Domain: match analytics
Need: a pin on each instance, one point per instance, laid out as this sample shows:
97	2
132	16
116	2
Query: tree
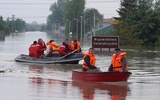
56	18
19	25
74	10
89	17
140	17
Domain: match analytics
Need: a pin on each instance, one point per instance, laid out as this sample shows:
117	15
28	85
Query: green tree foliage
12	25
74	10
16	25
89	17
74	15
56	18
19	25
4	27
139	22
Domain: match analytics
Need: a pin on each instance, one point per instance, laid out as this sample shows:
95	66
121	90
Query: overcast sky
38	10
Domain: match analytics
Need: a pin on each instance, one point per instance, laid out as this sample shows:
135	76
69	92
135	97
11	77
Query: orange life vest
92	61
77	47
55	47
117	63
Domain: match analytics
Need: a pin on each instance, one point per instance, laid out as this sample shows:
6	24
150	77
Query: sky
38	10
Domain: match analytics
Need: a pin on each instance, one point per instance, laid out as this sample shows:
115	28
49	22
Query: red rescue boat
100	76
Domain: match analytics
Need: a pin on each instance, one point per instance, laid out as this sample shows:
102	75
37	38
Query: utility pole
68	29
12	22
84	28
94	24
77	29
81	29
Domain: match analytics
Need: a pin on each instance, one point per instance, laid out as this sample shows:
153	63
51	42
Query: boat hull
100	76
72	59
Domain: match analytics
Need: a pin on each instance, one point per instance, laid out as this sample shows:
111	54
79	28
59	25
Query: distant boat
100	76
69	59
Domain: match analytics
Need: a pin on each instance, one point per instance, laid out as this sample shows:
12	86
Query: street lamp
12	21
68	29
68	26
84	23
81	30
76	27
94	24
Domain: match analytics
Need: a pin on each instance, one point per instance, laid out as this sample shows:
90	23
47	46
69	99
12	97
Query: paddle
68	54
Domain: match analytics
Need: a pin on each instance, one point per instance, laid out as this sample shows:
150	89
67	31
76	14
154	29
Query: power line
110	1
31	17
25	3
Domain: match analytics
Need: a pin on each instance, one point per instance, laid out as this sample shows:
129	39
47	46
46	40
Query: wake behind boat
69	59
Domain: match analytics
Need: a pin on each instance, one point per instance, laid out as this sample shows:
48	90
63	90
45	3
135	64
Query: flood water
28	81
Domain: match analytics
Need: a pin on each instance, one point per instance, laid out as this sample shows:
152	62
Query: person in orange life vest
52	48
41	48
76	45
32	49
118	61
89	62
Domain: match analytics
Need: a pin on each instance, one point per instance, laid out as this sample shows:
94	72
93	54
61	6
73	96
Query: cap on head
63	43
75	40
34	42
117	49
51	41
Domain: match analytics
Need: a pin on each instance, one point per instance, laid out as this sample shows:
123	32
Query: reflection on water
92	90
47	88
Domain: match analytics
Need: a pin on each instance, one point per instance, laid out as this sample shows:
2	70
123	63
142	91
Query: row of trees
73	15
139	23
12	25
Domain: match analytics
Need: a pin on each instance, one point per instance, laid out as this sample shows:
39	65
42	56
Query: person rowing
90	62
118	62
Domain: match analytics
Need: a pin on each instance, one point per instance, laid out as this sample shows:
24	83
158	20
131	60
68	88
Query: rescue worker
41	48
118	61
52	48
76	45
90	62
33	49
65	48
